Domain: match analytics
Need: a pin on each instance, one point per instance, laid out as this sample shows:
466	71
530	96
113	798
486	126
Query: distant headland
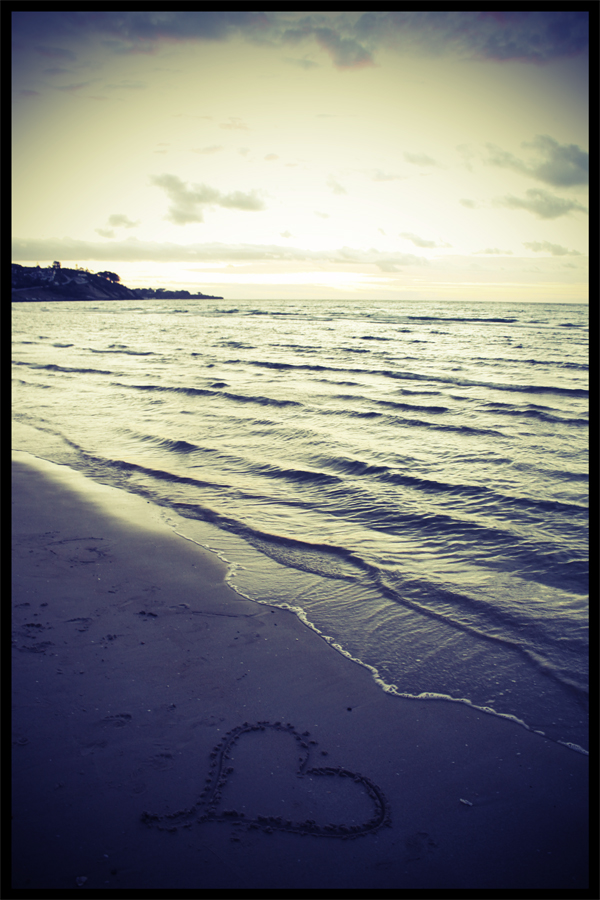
55	283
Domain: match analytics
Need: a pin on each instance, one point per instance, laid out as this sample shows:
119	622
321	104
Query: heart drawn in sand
206	808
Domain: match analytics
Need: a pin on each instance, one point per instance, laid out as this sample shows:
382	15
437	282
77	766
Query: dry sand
133	661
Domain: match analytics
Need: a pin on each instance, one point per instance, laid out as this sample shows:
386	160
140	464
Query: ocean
410	478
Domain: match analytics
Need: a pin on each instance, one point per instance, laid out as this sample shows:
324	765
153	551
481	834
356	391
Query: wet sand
170	734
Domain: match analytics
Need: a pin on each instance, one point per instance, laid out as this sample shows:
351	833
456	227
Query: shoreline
334	642
392	688
134	661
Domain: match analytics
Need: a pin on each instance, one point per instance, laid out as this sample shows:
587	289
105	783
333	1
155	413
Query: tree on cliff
112	276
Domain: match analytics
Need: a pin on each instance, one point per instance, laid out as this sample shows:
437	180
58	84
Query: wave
373	337
127	352
264	401
469	612
43	387
159	474
419	376
402	376
322	474
541	562
390	404
420	393
206	392
339	562
267	364
356	468
467	382
413	423
297	476
174	446
548	363
528	412
393	404
52	367
491	320
555	474
270	312
561	364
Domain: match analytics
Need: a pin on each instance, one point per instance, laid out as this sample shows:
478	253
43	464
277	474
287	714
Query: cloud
528	36
239	200
55	52
118	220
418	241
468	154
214	148
470	204
534	36
563	165
493	251
547	247
350	38
541	204
123	48
346	53
187	203
140	30
302	63
234	123
133	250
126	86
388	262
419	159
384	176
271	156
70	88
335	186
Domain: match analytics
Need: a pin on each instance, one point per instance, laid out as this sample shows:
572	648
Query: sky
297	155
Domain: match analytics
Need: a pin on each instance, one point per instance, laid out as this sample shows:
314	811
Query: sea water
410	478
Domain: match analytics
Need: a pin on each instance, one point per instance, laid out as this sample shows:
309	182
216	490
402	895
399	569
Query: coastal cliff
30	283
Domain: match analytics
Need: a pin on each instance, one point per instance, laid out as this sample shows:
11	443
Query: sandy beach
170	734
